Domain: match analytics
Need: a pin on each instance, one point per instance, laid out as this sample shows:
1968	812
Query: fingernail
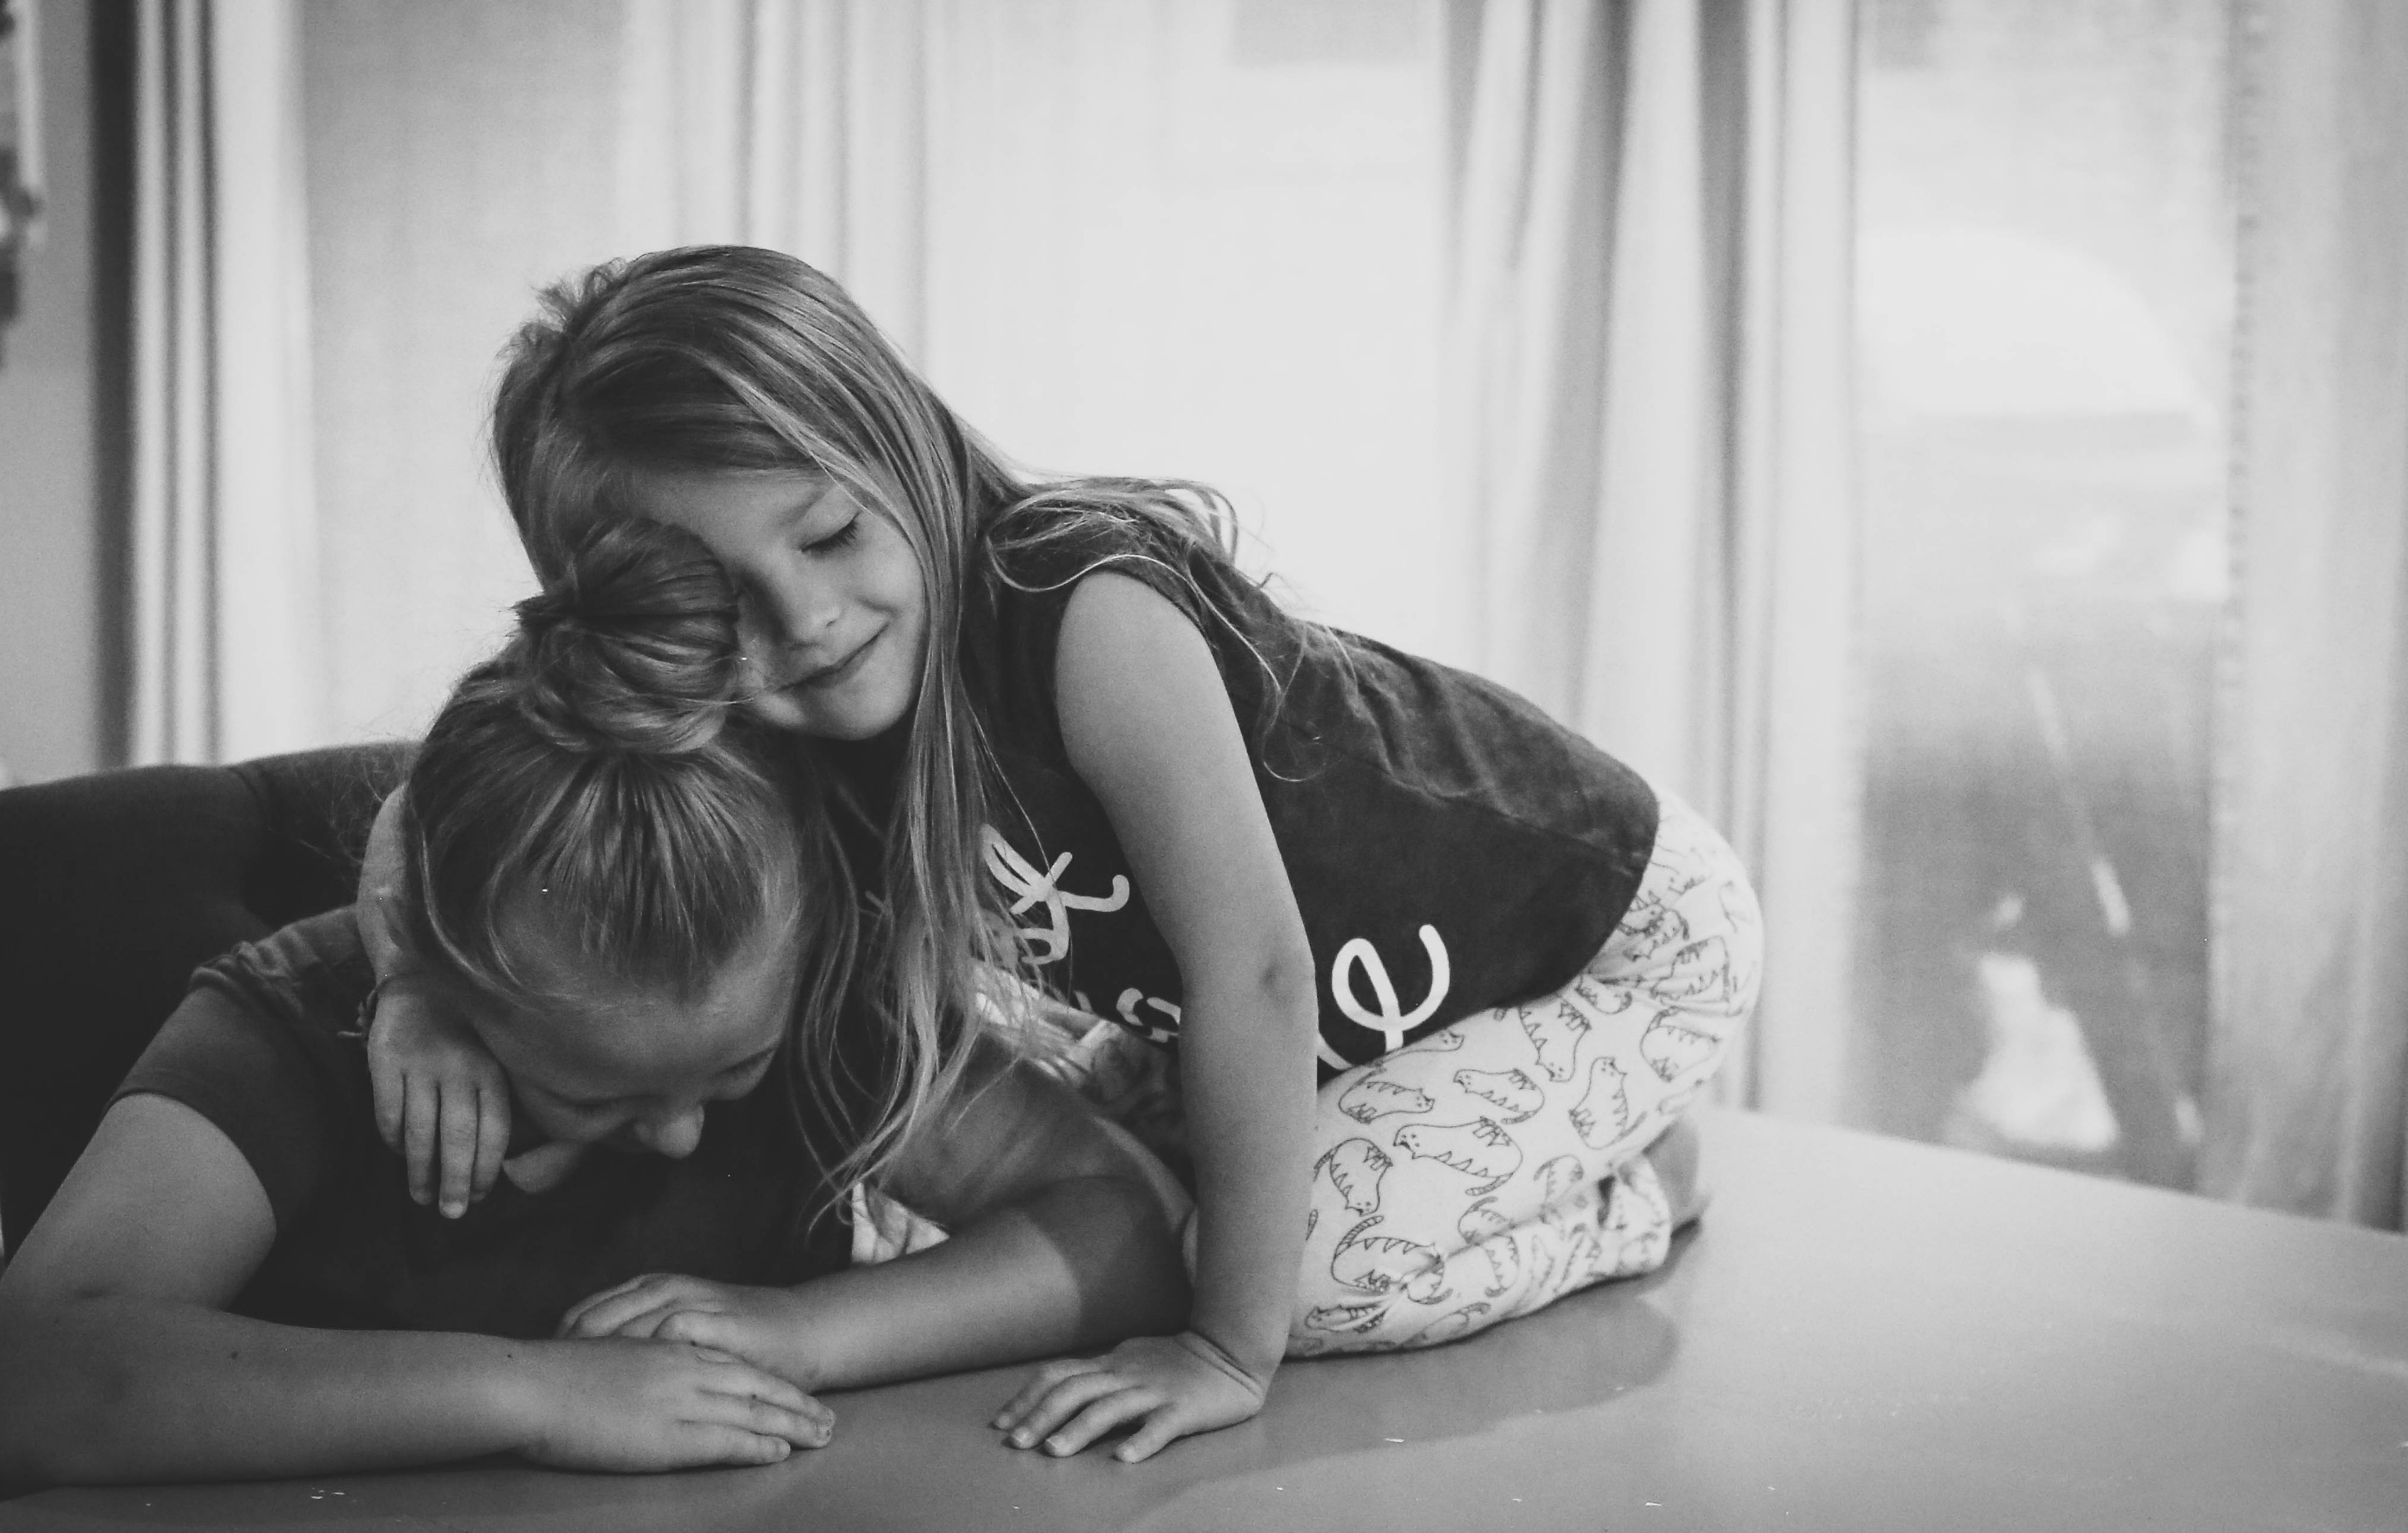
454	1211
1056	1445
1020	1439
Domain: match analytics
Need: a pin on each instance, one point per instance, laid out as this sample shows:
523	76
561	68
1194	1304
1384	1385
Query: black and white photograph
1197	764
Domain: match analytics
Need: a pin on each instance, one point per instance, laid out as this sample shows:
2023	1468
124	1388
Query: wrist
1250	1350
521	1394
791	1354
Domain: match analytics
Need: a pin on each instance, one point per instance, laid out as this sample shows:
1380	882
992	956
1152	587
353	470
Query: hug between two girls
794	960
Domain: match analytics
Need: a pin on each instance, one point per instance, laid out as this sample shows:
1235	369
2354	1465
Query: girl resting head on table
235	1282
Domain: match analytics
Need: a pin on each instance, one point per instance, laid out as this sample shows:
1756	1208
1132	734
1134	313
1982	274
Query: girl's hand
633	1407
764	1326
1172	1385
439	1097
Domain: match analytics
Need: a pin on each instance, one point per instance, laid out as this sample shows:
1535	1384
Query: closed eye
733	1073
743	1068
843	537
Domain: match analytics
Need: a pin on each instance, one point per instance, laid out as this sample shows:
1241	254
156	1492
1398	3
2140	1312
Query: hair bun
634	648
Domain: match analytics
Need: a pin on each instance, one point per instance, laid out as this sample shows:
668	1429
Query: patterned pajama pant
1491	1167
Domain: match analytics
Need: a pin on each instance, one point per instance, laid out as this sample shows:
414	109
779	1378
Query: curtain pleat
1792	800
2307	1101
1649	341
224	552
796	124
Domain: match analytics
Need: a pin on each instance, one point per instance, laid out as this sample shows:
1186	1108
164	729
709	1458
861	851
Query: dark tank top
1452	849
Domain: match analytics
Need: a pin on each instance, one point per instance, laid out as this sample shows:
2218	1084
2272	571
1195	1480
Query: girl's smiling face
833	612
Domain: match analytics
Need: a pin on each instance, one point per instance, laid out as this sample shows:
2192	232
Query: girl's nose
672	1131
788	610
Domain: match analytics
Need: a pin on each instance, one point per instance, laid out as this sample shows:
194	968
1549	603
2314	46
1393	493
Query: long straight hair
730	359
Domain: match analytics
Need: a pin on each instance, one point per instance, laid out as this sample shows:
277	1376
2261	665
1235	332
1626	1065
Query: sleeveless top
1452	849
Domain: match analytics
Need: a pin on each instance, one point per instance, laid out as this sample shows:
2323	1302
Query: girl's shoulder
1040	549
1034	555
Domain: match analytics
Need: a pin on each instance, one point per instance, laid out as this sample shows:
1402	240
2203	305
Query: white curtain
2307	1105
462	154
224	545
1649	337
797	124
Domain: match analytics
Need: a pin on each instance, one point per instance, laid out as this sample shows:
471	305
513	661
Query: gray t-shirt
266	1047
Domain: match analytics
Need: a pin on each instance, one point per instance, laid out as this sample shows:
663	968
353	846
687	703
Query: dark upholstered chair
114	887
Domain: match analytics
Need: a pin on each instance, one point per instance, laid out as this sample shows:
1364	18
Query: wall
55	589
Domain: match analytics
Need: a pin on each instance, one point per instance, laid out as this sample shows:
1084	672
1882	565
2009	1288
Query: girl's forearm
1079	1265
1246	1073
111	1389
380	894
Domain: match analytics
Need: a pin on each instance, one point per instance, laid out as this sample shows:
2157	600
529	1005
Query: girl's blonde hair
594	785
735	359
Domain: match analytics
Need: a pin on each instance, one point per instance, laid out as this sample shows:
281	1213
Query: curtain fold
2307	1102
1649	337
797	124
224	545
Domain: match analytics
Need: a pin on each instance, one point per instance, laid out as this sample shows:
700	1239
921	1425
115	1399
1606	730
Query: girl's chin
779	711
785	712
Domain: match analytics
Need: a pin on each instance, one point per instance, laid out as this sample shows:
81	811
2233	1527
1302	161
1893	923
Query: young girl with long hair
1430	972
603	866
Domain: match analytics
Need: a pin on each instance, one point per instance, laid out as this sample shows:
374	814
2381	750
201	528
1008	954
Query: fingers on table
598	1296
1039	1384
608	1312
1125	1404
757	1401
1159	1431
703	1327
1077	1409
735	1445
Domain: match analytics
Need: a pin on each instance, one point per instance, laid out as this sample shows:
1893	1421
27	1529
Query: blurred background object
2046	278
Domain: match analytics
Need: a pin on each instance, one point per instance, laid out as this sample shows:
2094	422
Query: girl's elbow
66	1410
52	1432
1143	1287
1288	982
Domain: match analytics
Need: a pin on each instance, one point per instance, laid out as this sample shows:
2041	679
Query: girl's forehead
582	1025
685	496
636	1047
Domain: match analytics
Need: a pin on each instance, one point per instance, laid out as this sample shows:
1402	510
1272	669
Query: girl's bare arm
441	1101
379	891
1064	1235
1148	726
122	1363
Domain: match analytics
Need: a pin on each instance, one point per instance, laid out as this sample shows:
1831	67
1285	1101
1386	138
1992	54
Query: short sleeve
246	1072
